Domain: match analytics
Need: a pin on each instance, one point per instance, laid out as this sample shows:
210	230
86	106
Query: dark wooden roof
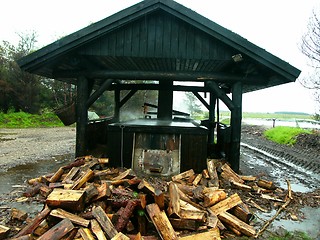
158	40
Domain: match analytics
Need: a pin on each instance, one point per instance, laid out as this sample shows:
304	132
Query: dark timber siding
160	35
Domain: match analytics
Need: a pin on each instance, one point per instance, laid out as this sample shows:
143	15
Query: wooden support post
236	117
117	105
212	107
82	115
165	100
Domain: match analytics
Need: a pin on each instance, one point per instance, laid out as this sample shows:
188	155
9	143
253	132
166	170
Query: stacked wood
87	200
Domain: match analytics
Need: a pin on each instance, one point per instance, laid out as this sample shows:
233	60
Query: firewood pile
89	200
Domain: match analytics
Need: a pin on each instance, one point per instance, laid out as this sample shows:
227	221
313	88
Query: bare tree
310	47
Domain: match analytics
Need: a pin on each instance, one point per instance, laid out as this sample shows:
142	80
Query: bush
284	135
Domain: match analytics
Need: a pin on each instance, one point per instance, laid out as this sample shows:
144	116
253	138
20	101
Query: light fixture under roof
237	58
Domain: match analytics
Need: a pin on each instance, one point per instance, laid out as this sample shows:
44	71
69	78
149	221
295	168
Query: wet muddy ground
45	150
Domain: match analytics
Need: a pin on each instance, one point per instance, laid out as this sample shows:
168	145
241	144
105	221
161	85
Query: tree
192	104
310	47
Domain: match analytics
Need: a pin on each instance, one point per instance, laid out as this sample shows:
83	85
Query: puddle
13	182
310	224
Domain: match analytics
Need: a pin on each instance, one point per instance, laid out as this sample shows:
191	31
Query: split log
25	237
69	178
60	213
91	191
86	234
242	212
254	204
96	229
45	190
159	198
213	233
188	190
174	204
161	222
66	199
34	190
120	236
19	215
85	177
103	160
212	197
241	186
185	198
126	214
56	185
212	221
266	184
71	235
226	204
103	191
188	211
58	231
57	175
129	173
77	163
197	179
42	228
183	175
184	224
248	178
229	174
146	187
28	229
236	223
214	180
4	232
205	173
104	222
265	196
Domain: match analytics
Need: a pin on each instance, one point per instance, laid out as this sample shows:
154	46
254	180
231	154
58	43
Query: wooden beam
127	97
201	99
165	100
212	106
156	75
82	115
235	124
213	86
94	96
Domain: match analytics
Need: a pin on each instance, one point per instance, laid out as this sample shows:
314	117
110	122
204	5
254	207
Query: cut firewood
91	191
254	204
56	177
241	186
60	213
45	190
69	178
129	173
96	229
236	223
19	215
104	222
205	173
34	223
226	204
265	196
213	233
212	197
103	191
120	236
214	180
4	232
159	198
229	174
66	199
184	224
85	176
248	178
58	231
212	221
188	190
197	179
242	212
161	222
174	204
146	187
188	211
86	234
103	160
126	214
266	184
183	175
42	228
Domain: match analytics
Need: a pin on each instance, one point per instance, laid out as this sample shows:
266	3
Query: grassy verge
284	135
26	120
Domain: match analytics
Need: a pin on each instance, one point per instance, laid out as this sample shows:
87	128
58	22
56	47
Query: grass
284	135
26	120
296	235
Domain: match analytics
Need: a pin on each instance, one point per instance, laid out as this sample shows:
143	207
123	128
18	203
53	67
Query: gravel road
21	146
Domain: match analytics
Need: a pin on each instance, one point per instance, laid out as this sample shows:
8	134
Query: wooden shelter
164	41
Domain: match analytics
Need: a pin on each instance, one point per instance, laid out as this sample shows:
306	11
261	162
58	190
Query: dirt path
21	146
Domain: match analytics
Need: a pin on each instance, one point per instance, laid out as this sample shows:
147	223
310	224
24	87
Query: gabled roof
160	36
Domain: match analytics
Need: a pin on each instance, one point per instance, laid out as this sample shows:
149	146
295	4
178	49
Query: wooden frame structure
164	41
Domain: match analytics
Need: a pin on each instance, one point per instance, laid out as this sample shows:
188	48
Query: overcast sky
275	25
